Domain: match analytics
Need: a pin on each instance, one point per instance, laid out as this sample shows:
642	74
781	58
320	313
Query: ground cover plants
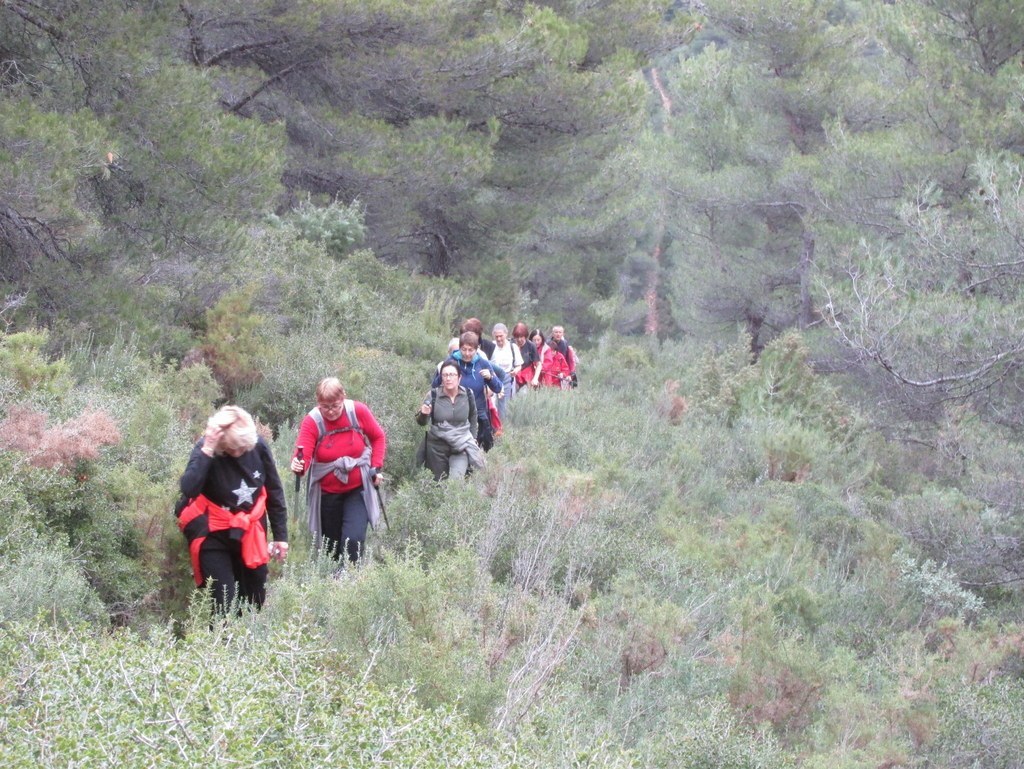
616	588
777	525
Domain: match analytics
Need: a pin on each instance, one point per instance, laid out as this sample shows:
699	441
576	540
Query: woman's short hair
450	363
538	332
474	325
329	390
239	429
468	337
499	327
520	329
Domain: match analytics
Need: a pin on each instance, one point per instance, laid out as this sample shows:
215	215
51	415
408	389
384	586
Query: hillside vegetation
777	525
689	561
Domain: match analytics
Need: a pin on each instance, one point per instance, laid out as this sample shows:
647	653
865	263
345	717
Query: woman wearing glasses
451	445
342	447
479	377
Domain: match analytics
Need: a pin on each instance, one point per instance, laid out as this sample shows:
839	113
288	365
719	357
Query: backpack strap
323	432
353	420
321	428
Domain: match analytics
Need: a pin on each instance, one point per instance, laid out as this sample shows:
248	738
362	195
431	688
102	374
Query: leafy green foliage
702	557
232	343
244	697
22	358
338	227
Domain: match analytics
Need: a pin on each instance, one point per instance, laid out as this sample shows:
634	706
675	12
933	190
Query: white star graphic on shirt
244	493
256	474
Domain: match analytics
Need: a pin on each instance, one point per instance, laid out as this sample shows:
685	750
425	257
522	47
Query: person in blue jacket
478	376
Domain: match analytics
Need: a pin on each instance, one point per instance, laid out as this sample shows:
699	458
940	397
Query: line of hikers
470	392
231	488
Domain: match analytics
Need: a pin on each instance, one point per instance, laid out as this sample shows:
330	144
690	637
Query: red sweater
347	444
553	368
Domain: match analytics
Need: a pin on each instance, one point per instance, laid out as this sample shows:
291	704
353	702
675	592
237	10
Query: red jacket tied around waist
201	516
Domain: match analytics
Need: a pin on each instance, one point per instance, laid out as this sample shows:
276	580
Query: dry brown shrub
673	405
644	653
263	431
62	445
779	695
782	468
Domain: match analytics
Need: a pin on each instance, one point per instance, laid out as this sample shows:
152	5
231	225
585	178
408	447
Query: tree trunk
807	313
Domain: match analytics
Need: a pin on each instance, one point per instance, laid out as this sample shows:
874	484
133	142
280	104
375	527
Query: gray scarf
460	439
341	468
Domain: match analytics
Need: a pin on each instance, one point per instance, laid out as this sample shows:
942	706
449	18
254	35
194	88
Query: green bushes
233	341
715	537
406	623
337	226
241	695
94	465
22	359
40	576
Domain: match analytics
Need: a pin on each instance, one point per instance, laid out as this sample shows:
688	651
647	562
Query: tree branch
967	376
266	84
35	21
29	227
240	48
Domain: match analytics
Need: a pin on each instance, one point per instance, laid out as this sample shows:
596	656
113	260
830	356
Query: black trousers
220	559
343	522
484	433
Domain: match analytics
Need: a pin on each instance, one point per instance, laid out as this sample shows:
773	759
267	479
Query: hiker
507	355
474	325
453	345
529	374
560	343
478	376
230	488
554	368
342	447
450	445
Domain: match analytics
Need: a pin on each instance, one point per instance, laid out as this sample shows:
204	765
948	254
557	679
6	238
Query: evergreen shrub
339	227
40	580
954	528
712	737
978	725
233	341
40	575
239	695
23	359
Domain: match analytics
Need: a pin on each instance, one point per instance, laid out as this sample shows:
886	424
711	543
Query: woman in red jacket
343	458
554	367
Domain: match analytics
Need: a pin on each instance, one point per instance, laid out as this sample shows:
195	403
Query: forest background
777	525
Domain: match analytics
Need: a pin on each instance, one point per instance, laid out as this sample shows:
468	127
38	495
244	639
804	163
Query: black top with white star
235	483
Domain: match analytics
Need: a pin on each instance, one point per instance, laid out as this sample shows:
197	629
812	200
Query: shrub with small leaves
938	588
22	358
240	696
233	345
339	227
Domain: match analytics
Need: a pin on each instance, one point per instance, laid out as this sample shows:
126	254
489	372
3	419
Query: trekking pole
374	491
298	481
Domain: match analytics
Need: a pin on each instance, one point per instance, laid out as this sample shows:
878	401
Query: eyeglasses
449	373
331	406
